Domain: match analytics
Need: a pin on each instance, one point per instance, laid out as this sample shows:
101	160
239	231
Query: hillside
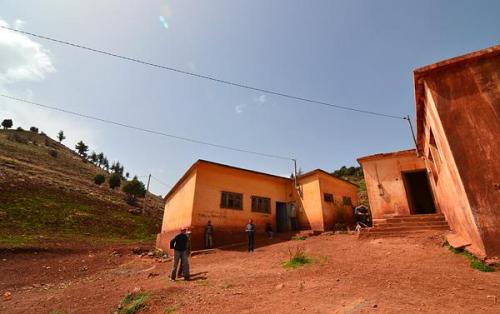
354	175
47	191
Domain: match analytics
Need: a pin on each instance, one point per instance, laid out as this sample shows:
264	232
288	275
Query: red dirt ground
394	275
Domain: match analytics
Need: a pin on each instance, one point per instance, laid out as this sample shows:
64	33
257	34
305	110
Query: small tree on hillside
81	148
100	159
60	136
93	158
99	179
134	189
34	129
105	163
114	180
7	123
117	168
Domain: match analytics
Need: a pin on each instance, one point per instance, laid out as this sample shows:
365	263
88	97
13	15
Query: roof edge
388	155
307	174
471	56
202	161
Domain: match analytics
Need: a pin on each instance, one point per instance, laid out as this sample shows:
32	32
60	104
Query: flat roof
468	57
406	152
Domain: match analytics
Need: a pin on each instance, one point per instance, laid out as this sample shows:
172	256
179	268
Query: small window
261	204
231	200
328	197
346	200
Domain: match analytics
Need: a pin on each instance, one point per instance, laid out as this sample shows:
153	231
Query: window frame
227	197
256	206
346	200
328	197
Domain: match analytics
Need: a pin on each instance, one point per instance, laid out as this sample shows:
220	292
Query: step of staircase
411	223
414	233
405	225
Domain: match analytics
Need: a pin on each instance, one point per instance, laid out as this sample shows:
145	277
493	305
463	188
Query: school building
455	169
228	196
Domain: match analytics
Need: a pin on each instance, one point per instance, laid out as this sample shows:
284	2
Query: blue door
281	217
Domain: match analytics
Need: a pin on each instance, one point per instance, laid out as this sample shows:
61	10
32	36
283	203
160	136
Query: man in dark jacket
209	230
180	244
250	230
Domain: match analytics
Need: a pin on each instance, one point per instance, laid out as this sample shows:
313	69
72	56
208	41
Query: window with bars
328	197
231	200
261	204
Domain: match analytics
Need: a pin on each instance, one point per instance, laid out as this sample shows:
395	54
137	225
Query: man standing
188	253
250	230
209	230
179	244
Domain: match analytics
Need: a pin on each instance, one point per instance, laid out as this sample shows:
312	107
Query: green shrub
134	189
475	263
99	179
297	258
132	304
299	238
114	180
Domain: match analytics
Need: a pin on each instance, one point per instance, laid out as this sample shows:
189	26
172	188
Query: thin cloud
22	59
19	24
239	108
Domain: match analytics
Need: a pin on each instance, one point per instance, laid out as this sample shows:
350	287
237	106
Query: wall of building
337	212
384	182
229	224
178	211
309	201
463	110
317	214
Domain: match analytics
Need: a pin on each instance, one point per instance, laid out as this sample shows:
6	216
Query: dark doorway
419	192
281	217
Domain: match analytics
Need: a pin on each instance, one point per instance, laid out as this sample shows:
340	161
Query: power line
161	182
137	128
207	77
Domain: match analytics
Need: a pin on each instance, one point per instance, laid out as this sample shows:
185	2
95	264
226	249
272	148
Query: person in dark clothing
269	230
250	230
180	244
188	253
209	230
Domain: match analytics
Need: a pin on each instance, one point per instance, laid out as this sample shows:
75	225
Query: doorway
419	192
281	217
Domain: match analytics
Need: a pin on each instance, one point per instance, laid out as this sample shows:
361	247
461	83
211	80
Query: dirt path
348	276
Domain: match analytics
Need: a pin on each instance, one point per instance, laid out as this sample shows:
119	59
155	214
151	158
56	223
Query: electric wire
161	182
138	128
206	77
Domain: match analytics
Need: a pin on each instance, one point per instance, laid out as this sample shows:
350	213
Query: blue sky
351	53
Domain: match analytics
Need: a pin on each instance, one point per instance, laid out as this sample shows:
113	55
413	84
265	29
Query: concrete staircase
401	226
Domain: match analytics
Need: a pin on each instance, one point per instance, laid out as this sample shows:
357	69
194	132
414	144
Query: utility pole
407	118
295	171
146	195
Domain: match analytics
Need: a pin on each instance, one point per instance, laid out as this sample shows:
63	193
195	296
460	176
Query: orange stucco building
229	196
396	184
458	146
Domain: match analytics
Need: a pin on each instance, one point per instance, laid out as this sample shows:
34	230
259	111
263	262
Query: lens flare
163	22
